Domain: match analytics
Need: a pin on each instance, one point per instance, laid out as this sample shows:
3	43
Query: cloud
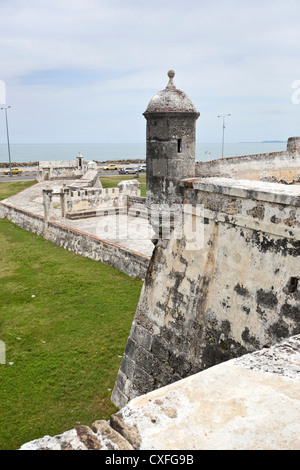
2	92
107	58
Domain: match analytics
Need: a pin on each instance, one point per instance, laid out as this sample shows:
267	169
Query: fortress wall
277	166
236	292
24	219
125	260
131	263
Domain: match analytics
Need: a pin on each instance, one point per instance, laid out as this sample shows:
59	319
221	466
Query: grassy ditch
64	320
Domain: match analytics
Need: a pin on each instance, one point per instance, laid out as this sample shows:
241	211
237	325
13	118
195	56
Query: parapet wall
91	202
281	167
235	292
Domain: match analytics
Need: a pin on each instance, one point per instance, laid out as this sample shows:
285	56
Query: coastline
117	162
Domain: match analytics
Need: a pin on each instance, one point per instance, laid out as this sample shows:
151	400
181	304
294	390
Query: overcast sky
85	70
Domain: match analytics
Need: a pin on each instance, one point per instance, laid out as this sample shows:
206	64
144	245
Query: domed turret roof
171	100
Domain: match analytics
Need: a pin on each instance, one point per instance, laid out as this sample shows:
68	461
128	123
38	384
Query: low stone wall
26	220
87	203
132	263
236	290
280	167
91	202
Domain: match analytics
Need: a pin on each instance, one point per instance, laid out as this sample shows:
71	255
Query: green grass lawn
8	188
112	181
64	320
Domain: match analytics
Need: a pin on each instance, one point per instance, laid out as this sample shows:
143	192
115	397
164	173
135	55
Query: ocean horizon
101	152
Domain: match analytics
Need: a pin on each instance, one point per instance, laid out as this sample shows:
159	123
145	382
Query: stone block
142	336
130	433
113	439
127	367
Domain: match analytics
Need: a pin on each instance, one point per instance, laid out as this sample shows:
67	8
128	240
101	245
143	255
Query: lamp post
8	146
224	116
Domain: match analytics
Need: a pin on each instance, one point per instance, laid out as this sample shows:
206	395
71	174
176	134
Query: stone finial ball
171	74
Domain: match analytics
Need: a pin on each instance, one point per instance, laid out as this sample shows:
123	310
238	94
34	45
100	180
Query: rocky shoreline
15	164
122	162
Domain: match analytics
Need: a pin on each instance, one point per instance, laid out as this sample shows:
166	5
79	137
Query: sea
103	152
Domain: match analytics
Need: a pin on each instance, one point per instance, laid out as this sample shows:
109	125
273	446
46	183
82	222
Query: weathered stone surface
130	433
55	170
249	403
171	127
118	441
278	167
230	296
88	438
80	438
171	100
100	437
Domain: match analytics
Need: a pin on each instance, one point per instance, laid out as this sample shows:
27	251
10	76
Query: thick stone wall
235	292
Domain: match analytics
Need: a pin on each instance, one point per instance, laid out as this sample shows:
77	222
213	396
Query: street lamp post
224	116
8	146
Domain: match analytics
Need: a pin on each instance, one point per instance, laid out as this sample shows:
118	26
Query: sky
85	70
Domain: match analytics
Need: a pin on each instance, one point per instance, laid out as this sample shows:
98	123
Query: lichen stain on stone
257	212
291	311
266	243
278	330
241	290
291	221
266	298
250	339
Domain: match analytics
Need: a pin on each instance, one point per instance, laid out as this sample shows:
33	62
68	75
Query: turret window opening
179	145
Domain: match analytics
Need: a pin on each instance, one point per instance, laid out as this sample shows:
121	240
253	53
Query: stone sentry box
170	147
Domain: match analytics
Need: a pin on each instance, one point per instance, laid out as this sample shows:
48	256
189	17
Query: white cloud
2	92
236	56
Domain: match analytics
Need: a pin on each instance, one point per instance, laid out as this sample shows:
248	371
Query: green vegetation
112	181
64	320
8	188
